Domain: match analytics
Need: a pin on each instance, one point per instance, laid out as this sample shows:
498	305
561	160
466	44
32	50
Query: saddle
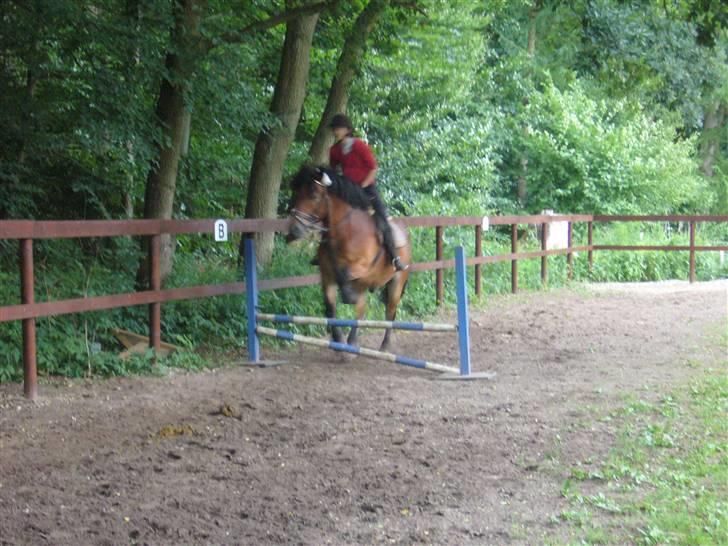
399	236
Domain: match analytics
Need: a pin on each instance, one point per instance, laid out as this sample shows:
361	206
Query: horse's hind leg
361	310
390	314
393	291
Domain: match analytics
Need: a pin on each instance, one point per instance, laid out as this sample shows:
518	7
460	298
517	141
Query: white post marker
485	223
221	230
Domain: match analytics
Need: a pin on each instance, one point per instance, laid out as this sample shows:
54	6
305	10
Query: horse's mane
340	187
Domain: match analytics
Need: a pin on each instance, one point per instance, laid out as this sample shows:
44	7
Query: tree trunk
713	121
173	119
338	98
162	178
131	13
30	85
713	126
274	141
522	189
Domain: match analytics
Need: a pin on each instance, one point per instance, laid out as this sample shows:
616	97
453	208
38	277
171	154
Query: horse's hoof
337	335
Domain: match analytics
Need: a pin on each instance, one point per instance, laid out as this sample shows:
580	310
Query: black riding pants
376	201
380	217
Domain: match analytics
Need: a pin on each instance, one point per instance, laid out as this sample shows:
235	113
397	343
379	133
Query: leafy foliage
604	156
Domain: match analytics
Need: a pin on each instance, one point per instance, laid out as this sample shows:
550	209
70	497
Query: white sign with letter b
221	230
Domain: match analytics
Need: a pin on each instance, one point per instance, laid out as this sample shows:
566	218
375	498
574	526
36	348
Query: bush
605	157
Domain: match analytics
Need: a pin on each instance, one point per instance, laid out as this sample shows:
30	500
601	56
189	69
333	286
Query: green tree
417	101
72	102
338	95
606	157
275	139
189	45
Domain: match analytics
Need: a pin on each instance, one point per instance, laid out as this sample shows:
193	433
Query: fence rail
26	231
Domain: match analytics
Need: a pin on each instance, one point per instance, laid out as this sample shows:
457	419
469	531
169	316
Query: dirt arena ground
325	451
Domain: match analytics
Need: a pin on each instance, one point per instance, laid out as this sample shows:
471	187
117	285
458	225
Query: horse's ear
322	178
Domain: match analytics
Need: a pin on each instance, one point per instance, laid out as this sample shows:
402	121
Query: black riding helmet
341	120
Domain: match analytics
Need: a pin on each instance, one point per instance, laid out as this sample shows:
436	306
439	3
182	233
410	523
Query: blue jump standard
251	297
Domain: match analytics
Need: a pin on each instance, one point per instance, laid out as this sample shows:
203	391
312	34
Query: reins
309	221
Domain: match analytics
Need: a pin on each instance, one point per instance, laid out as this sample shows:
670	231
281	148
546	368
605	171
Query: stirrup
398	265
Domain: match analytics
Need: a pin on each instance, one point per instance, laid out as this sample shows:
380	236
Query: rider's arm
369	178
367	157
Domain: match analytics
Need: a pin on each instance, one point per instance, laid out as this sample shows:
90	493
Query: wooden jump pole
381	324
345	347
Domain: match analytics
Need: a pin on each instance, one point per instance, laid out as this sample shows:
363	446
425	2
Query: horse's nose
294	231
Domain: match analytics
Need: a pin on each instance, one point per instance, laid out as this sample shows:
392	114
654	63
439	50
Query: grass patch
666	480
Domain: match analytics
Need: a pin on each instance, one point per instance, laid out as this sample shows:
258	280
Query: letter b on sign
221	230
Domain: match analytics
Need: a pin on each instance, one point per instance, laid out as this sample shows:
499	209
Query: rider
358	164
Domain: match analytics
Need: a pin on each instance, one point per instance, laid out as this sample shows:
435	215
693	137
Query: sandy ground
325	451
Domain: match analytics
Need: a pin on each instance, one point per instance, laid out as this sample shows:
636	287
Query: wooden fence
26	231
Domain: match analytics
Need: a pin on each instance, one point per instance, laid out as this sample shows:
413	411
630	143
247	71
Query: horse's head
308	209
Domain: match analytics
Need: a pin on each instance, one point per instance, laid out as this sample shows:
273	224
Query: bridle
312	221
308	221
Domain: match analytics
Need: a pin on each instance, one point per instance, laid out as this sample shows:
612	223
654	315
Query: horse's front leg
348	292
361	311
330	308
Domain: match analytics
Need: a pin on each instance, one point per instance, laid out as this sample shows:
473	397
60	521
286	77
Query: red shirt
357	163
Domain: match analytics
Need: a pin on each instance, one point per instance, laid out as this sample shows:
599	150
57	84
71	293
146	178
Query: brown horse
350	254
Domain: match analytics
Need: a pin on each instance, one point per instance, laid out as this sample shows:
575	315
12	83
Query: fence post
155	283
439	282
478	254
463	318
590	242
27	296
544	259
570	254
692	251
514	261
251	300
